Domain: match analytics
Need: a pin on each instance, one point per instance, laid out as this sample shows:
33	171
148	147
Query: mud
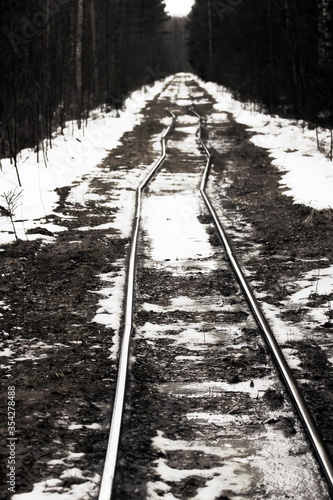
62	370
164	392
290	239
49	289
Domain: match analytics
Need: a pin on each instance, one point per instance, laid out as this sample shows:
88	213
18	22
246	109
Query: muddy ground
67	376
292	239
49	290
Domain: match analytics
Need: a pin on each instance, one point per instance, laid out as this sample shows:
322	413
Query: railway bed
206	415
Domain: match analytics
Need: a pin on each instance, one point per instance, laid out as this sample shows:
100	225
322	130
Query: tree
276	53
78	59
55	63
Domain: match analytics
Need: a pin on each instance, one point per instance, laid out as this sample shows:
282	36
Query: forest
59	59
277	53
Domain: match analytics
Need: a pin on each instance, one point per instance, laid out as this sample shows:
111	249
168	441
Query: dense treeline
60	58
176	43
275	52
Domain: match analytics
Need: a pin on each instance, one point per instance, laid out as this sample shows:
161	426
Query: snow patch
307	172
53	489
73	154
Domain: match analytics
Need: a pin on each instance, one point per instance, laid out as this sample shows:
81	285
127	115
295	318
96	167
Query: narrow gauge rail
118	405
291	385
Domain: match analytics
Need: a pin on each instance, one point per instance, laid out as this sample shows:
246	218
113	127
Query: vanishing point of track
288	379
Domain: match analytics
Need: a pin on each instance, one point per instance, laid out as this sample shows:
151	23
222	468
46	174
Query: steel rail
320	449
107	482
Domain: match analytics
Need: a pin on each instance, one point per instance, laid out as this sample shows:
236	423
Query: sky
178	7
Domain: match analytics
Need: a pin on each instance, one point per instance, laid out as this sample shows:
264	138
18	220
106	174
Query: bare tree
12	199
78	60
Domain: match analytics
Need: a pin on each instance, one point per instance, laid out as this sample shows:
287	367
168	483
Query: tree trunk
271	63
78	61
210	37
107	52
94	47
292	49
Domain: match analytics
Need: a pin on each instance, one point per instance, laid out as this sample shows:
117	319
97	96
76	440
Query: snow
307	177
52	489
317	284
73	154
217	389
112	297
74	161
281	465
190	358
74	427
188	304
6	352
229	474
319	281
170	213
307	174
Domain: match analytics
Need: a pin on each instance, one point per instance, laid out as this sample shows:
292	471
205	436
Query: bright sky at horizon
178	8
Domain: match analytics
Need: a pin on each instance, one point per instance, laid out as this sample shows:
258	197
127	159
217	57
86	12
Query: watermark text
11	440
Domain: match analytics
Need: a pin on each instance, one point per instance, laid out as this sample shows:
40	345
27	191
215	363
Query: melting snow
307	172
172	224
73	155
53	489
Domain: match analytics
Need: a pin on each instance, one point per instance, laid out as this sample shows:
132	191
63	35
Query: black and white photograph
166	250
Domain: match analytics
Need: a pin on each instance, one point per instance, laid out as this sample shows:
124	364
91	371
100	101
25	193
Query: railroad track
205	401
